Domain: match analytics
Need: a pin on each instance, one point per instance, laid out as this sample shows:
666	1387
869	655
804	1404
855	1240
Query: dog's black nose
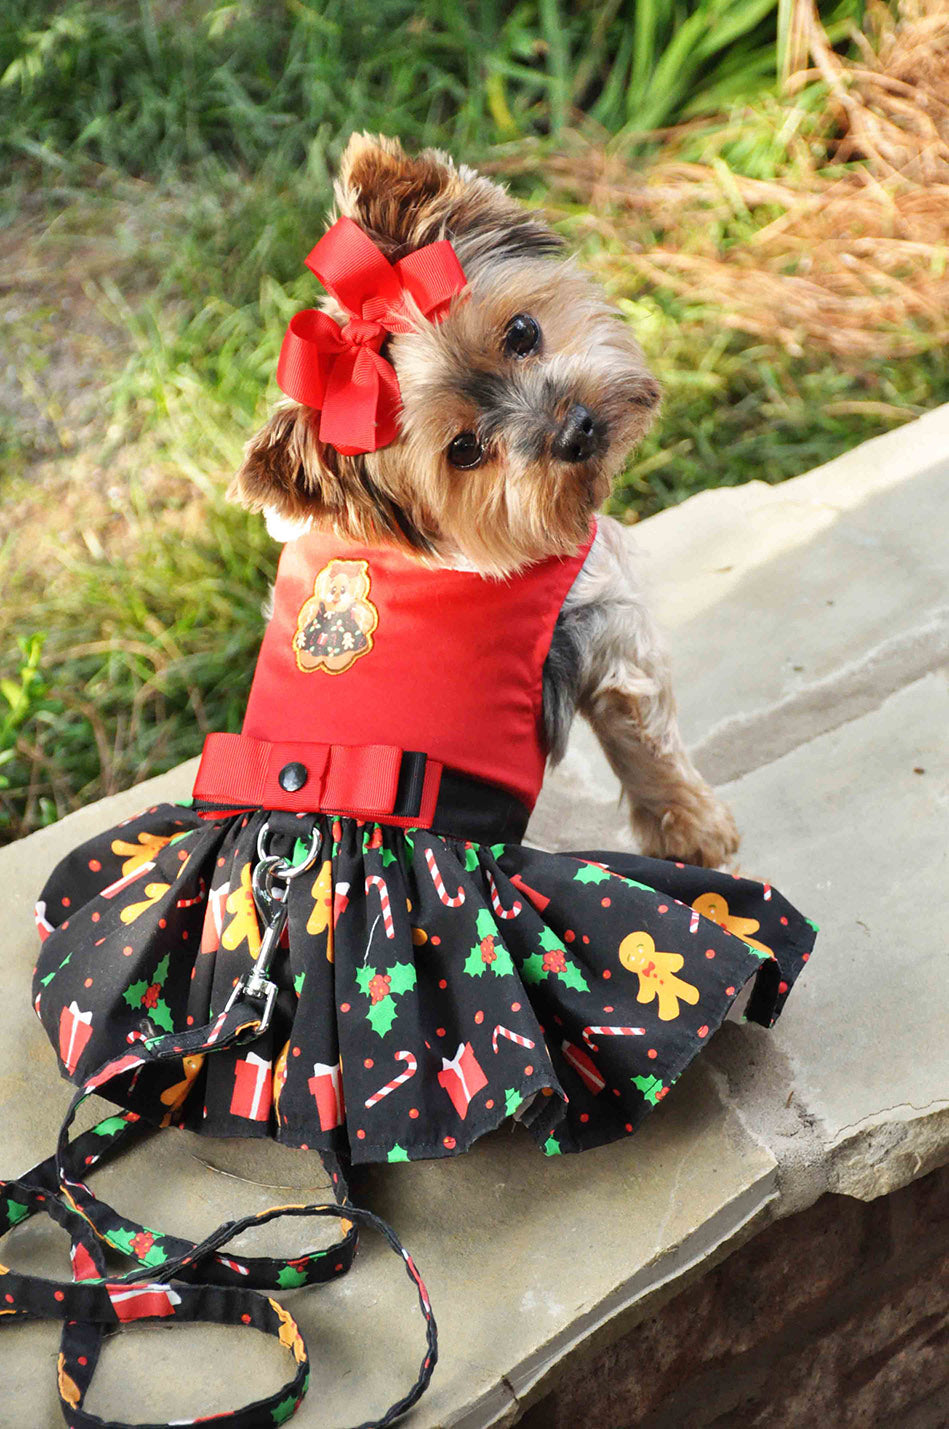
577	437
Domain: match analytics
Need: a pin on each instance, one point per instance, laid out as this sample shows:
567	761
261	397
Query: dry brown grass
848	249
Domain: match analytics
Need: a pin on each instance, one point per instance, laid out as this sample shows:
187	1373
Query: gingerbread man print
335	626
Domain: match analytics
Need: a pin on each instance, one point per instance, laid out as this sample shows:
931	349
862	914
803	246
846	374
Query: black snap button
293	777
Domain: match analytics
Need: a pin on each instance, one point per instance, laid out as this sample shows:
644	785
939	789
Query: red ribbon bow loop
339	371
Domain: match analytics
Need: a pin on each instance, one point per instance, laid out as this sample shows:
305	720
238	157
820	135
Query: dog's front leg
626	694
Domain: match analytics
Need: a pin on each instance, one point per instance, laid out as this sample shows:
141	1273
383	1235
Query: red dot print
710	952
615	1091
163	922
220	863
449	1143
784	921
528	1071
182	855
339	1267
805	957
184	935
680	865
127	952
436	941
515	1007
607	974
344	1007
9	1299
96	917
95	865
66	902
489	1104
82	1360
569	935
439	1032
703	1030
361	1134
245	1319
584	1116
305	1146
729	992
605	902
88	982
58	1295
782	987
190	1021
295	1052
629	1126
66	924
368	1063
663	908
442	984
413	1113
479	1018
652	1053
608	1008
193	971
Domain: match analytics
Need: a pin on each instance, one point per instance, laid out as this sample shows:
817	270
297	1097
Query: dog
517	411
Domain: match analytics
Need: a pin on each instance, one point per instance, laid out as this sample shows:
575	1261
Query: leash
171	1278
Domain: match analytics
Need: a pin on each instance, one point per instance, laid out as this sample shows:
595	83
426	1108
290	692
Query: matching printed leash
174	1279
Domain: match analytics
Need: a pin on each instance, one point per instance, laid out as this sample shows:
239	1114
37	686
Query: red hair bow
339	370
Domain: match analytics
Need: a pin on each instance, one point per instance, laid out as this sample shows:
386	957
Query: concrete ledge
808	628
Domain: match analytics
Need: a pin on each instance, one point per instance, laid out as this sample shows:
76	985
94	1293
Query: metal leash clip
270	883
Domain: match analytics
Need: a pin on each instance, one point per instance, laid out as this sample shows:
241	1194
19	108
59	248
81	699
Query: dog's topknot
404	202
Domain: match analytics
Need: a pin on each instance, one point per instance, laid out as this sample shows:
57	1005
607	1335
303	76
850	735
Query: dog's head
517	409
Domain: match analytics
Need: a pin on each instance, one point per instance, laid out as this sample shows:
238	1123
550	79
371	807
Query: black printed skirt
428	987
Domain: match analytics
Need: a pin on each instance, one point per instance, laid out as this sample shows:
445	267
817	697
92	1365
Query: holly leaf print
475	966
401	977
552	1147
650	1088
532	968
471	860
550	942
398	1153
589	873
364	977
486	924
512	1100
161	1016
134	993
381	1015
290	1276
574	978
388	857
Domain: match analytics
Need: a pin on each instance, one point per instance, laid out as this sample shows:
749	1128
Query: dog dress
435	976
342	943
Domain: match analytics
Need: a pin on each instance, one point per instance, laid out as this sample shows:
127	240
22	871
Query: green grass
173	164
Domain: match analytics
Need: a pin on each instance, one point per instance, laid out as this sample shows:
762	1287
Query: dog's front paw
700	830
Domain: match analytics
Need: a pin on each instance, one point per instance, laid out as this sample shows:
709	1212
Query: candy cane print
610	1032
500	1031
515	907
190	902
439	885
410	1069
767	893
694	921
374	881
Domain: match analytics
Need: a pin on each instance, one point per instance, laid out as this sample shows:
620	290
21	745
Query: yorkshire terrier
518	410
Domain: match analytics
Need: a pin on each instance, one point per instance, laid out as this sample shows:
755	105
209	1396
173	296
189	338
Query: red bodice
367	646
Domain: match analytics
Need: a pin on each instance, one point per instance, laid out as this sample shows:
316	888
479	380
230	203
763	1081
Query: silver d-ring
283	868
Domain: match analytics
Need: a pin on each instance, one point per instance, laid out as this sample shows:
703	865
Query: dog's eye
522	336
465	451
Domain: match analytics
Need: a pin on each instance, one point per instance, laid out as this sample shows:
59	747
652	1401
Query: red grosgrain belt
381	782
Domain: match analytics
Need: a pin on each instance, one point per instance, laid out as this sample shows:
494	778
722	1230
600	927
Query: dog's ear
286	468
405	201
289	471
